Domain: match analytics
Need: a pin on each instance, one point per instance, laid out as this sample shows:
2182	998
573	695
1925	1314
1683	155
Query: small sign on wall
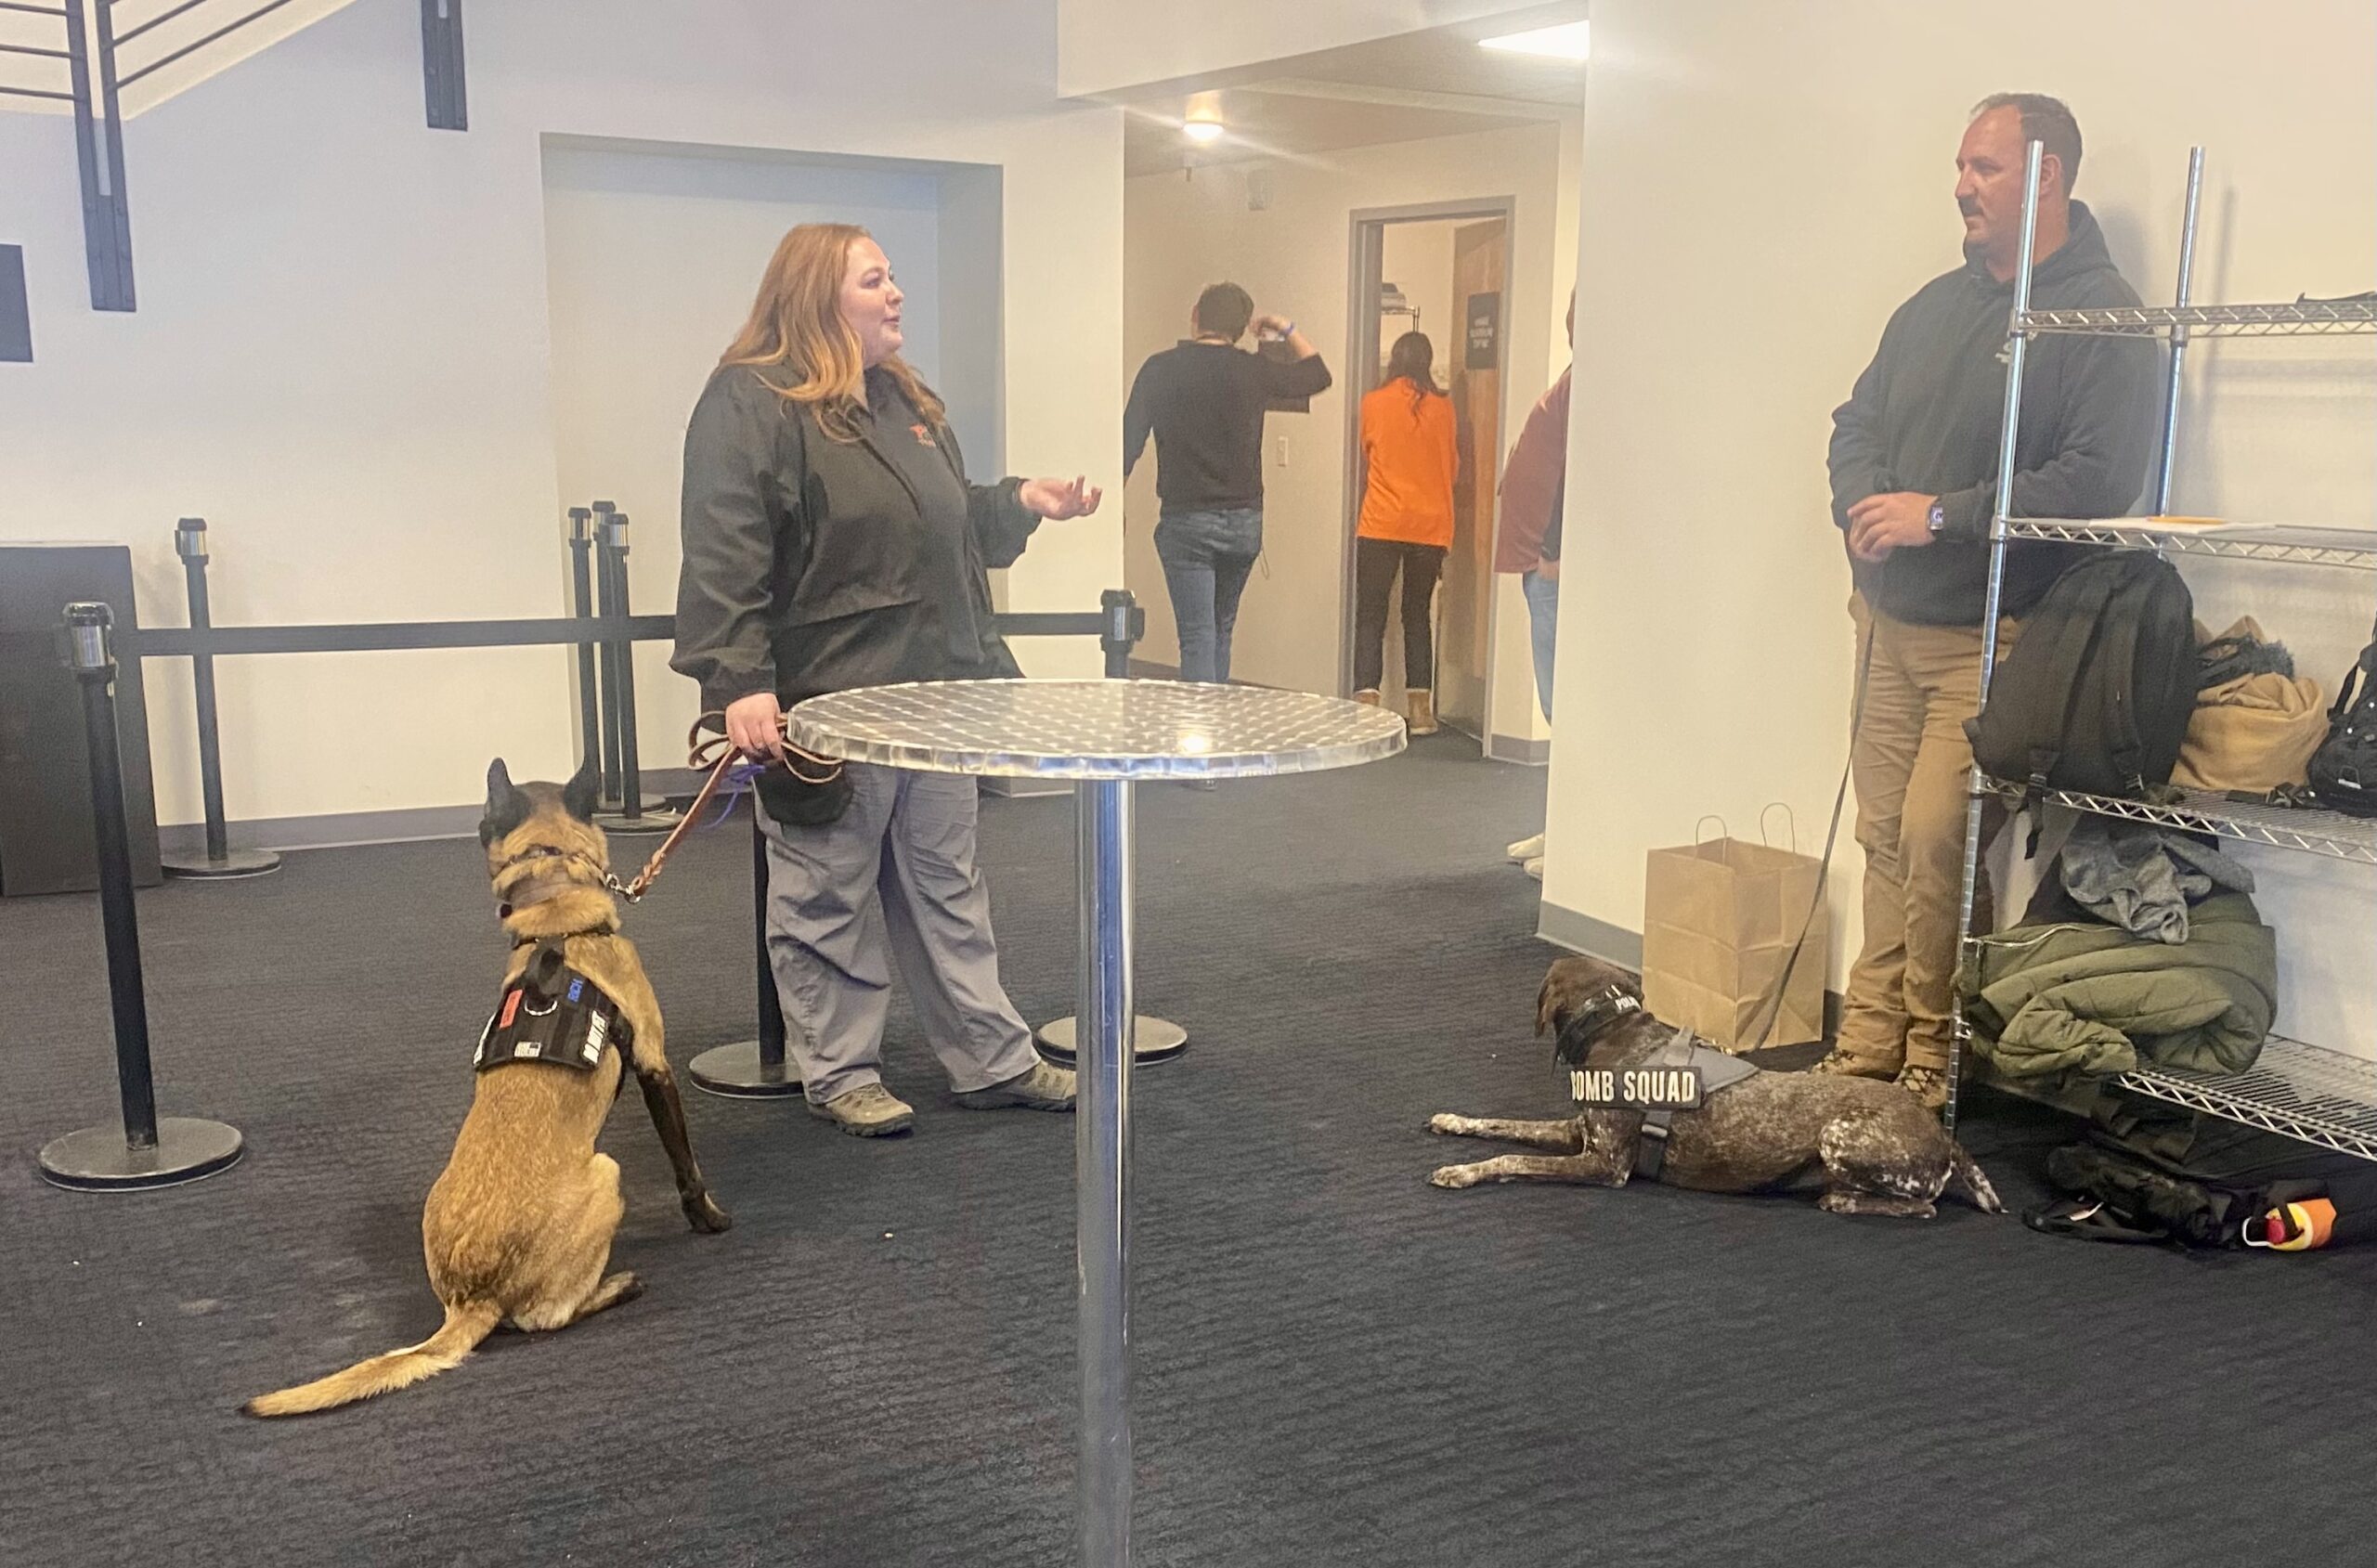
16	317
1482	333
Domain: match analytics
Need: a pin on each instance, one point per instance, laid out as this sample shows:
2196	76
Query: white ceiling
1436	83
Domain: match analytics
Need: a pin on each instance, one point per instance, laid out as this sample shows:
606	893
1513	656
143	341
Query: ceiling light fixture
1566	42
1202	120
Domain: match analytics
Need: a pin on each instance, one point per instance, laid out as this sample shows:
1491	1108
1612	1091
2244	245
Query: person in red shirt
1412	460
1532	483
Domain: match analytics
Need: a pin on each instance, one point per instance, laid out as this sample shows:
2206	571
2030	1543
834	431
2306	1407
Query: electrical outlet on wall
1279	450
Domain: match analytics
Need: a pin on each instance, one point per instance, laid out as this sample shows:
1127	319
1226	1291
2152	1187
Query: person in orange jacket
1409	451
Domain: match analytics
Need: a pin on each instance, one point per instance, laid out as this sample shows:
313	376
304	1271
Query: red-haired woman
833	540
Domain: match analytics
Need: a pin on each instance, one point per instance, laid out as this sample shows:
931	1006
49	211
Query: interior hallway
1337	1363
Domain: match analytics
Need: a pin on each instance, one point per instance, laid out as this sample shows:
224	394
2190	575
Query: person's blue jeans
1543	629
1207	557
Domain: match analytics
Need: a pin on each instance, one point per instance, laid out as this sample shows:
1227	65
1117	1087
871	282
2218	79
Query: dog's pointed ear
507	804
1546	1002
583	792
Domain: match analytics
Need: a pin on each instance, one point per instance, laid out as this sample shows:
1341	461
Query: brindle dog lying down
1869	1146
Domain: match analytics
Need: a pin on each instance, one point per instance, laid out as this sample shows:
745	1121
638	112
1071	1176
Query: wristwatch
1936	519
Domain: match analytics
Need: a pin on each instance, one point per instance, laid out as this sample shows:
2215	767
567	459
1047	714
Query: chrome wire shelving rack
2305	317
2321	1097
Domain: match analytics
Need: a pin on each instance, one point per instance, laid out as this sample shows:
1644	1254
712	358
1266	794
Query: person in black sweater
1914	482
1203	401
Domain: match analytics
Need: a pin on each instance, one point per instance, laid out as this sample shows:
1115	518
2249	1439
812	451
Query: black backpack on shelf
2097	695
2344	770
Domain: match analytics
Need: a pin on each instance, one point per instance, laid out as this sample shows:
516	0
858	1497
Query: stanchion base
656	819
1153	1040
233	863
97	1160
737	1072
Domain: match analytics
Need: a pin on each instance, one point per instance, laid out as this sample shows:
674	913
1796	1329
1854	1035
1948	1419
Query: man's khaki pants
1914	768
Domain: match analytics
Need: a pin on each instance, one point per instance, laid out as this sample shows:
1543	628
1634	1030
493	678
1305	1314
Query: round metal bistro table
1104	736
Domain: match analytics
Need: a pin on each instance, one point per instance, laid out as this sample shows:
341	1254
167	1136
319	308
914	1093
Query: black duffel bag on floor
2097	694
2344	770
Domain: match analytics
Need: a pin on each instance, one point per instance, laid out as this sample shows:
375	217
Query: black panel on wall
16	317
441	64
46	840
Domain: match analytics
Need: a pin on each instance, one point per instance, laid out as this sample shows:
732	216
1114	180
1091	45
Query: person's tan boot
1367	696
1423	712
868	1111
1849	1064
1928	1084
1038	1087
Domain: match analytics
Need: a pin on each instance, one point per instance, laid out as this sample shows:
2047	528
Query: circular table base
1153	1040
737	1072
655	819
97	1160
233	863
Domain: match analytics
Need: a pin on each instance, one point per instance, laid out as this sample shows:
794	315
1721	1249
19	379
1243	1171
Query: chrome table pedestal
1104	736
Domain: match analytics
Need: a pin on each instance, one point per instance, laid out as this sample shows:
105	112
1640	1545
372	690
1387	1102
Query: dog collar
547	853
603	879
1600	1014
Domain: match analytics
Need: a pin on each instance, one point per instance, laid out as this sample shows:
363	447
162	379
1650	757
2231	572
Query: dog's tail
464	1326
1967	1173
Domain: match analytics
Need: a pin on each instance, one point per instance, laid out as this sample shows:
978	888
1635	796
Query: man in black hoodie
1914	487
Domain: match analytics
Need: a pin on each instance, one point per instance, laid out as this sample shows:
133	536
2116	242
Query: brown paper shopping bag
1719	917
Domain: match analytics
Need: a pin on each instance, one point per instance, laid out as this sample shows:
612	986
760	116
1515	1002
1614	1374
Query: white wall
1182	233
1765	184
341	355
1105	45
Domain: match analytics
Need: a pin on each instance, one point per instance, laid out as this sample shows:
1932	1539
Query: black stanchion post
1153	1040
144	1151
607	697
220	861
753	1070
631	816
1126	624
581	586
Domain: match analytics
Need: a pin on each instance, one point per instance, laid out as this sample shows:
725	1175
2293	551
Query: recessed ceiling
1263	125
1436	83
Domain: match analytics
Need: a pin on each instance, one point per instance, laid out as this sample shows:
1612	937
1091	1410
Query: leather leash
718	757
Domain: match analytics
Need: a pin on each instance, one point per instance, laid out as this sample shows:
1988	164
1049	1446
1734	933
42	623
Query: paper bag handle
1789	817
1723	831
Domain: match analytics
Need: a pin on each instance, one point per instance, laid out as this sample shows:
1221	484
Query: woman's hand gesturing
1056	499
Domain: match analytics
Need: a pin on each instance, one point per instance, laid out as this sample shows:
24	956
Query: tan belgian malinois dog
518	1228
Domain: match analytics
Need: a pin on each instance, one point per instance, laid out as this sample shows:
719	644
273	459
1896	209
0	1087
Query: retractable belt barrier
150	1151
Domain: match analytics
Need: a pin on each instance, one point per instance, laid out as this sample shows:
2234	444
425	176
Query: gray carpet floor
1337	1363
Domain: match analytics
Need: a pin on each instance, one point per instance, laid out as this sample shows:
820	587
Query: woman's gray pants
892	882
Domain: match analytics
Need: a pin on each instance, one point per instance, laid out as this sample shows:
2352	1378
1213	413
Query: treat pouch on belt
552	1014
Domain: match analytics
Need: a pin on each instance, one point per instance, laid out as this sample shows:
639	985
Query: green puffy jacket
2054	1002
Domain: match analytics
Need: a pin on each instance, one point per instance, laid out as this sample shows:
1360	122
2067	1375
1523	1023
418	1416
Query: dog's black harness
1600	1014
552	1014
